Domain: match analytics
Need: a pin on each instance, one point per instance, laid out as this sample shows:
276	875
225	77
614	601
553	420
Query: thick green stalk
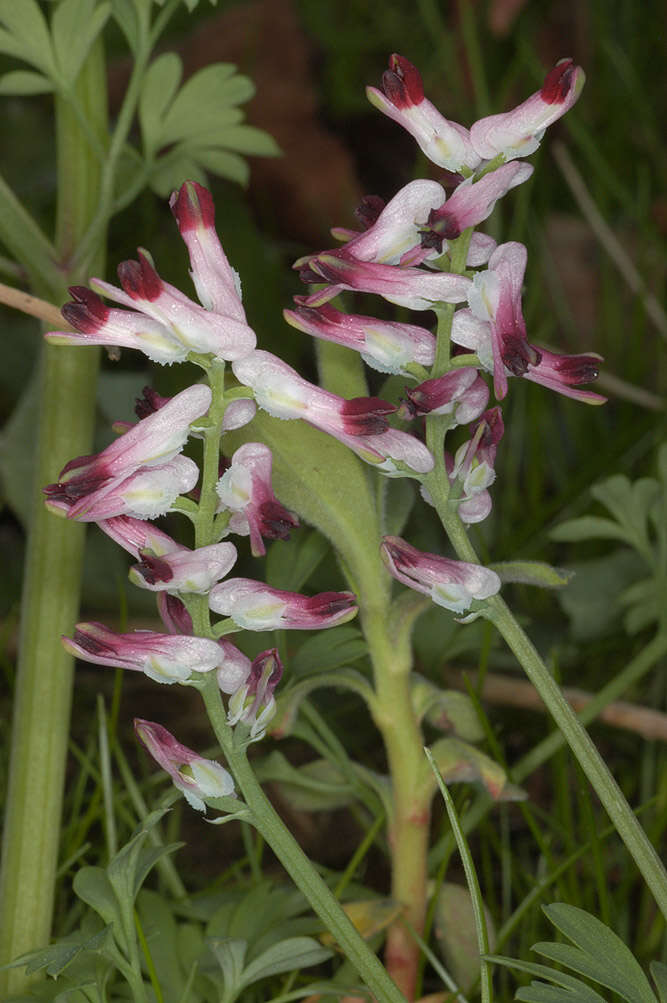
294	860
411	796
63	429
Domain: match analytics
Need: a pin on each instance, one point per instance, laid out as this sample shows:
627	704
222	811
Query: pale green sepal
532	573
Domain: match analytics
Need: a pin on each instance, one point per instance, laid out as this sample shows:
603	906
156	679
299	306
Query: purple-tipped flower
253	703
184	570
387	346
146	494
254	606
472	472
167	658
359	423
174	614
95	323
135	535
196	777
518	133
452	584
471	203
402	99
413	288
495	329
461	393
218	285
245	488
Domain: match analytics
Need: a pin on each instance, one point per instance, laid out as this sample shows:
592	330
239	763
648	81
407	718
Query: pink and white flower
147	493
387	346
402	99
196	777
184	570
359	423
518	133
495	329
255	606
166	658
253	703
234	668
471	203
413	288
452	584
461	393
245	488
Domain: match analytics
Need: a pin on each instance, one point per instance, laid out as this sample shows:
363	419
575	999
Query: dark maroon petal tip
192	206
149	402
402	82
91	644
139	279
557	82
88	313
275	521
574	369
369	209
153	569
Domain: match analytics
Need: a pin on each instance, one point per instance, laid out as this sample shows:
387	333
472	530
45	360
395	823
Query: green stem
411	796
292	857
54	556
574	733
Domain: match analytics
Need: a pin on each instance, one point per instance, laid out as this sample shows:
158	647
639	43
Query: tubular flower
245	488
518	133
135	535
184	570
95	323
452	584
167	658
253	703
359	423
472	472
387	346
461	393
173	613
445	143
254	606
218	285
471	203
146	494
495	329
196	777
413	288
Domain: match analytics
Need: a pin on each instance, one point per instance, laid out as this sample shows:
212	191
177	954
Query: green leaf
317	786
74	27
326	651
286	956
56	958
170	172
457	935
23	83
221	162
158	90
27	36
289	564
230	955
203	100
657	969
290	700
592	600
459	762
576	990
599	954
533	573
161	932
126	15
588	527
128	869
92	886
251	141
399	496
448	710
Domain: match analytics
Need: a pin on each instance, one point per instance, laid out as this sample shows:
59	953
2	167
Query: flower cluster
404	253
